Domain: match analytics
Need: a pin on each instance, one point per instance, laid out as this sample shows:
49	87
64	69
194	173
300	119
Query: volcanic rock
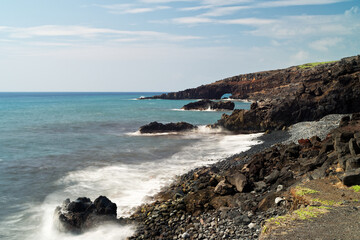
207	104
82	214
155	127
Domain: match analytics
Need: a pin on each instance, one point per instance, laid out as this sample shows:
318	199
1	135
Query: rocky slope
232	199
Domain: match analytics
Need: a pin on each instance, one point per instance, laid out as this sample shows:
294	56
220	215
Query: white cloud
164	1
248	21
192	20
325	43
130	8
287	3
196	8
289	27
300	56
224	3
239	21
222	11
89	33
353	11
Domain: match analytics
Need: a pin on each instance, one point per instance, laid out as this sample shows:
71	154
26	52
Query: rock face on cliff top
207	104
271	84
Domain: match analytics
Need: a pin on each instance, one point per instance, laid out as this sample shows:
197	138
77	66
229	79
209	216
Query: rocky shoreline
233	198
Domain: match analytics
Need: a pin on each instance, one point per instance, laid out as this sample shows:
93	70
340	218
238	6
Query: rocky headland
284	97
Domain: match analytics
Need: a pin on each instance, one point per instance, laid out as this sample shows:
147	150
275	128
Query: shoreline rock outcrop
155	127
208	104
82	214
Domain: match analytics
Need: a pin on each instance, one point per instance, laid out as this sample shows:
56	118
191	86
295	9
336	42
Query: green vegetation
356	188
326	202
310	212
310	65
300	214
301	191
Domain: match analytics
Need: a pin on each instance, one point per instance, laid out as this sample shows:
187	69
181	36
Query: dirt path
332	213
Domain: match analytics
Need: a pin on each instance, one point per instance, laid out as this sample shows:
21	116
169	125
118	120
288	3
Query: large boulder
155	127
352	177
82	214
207	104
238	180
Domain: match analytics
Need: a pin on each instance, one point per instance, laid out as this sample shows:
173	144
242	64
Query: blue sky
165	45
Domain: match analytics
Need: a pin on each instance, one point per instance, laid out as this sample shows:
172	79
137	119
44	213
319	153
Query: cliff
270	84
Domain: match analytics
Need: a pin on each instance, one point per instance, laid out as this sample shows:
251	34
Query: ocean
55	146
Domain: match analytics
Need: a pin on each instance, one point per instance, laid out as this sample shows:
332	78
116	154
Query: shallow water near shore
55	146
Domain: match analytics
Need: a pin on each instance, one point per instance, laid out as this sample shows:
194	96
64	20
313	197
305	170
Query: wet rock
82	214
155	127
104	206
207	104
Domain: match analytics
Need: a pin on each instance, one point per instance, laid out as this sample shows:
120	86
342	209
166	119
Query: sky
165	45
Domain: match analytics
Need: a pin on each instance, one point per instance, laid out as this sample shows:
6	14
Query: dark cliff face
323	90
270	84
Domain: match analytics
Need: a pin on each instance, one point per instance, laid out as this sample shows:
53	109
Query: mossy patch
326	202
356	188
310	212
311	65
301	191
299	215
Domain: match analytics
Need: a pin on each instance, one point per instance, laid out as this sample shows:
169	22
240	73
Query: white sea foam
201	129
205	110
138	133
130	185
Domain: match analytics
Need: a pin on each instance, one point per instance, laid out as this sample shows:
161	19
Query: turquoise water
59	145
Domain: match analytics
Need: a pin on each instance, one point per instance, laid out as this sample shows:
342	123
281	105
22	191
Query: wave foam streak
130	185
